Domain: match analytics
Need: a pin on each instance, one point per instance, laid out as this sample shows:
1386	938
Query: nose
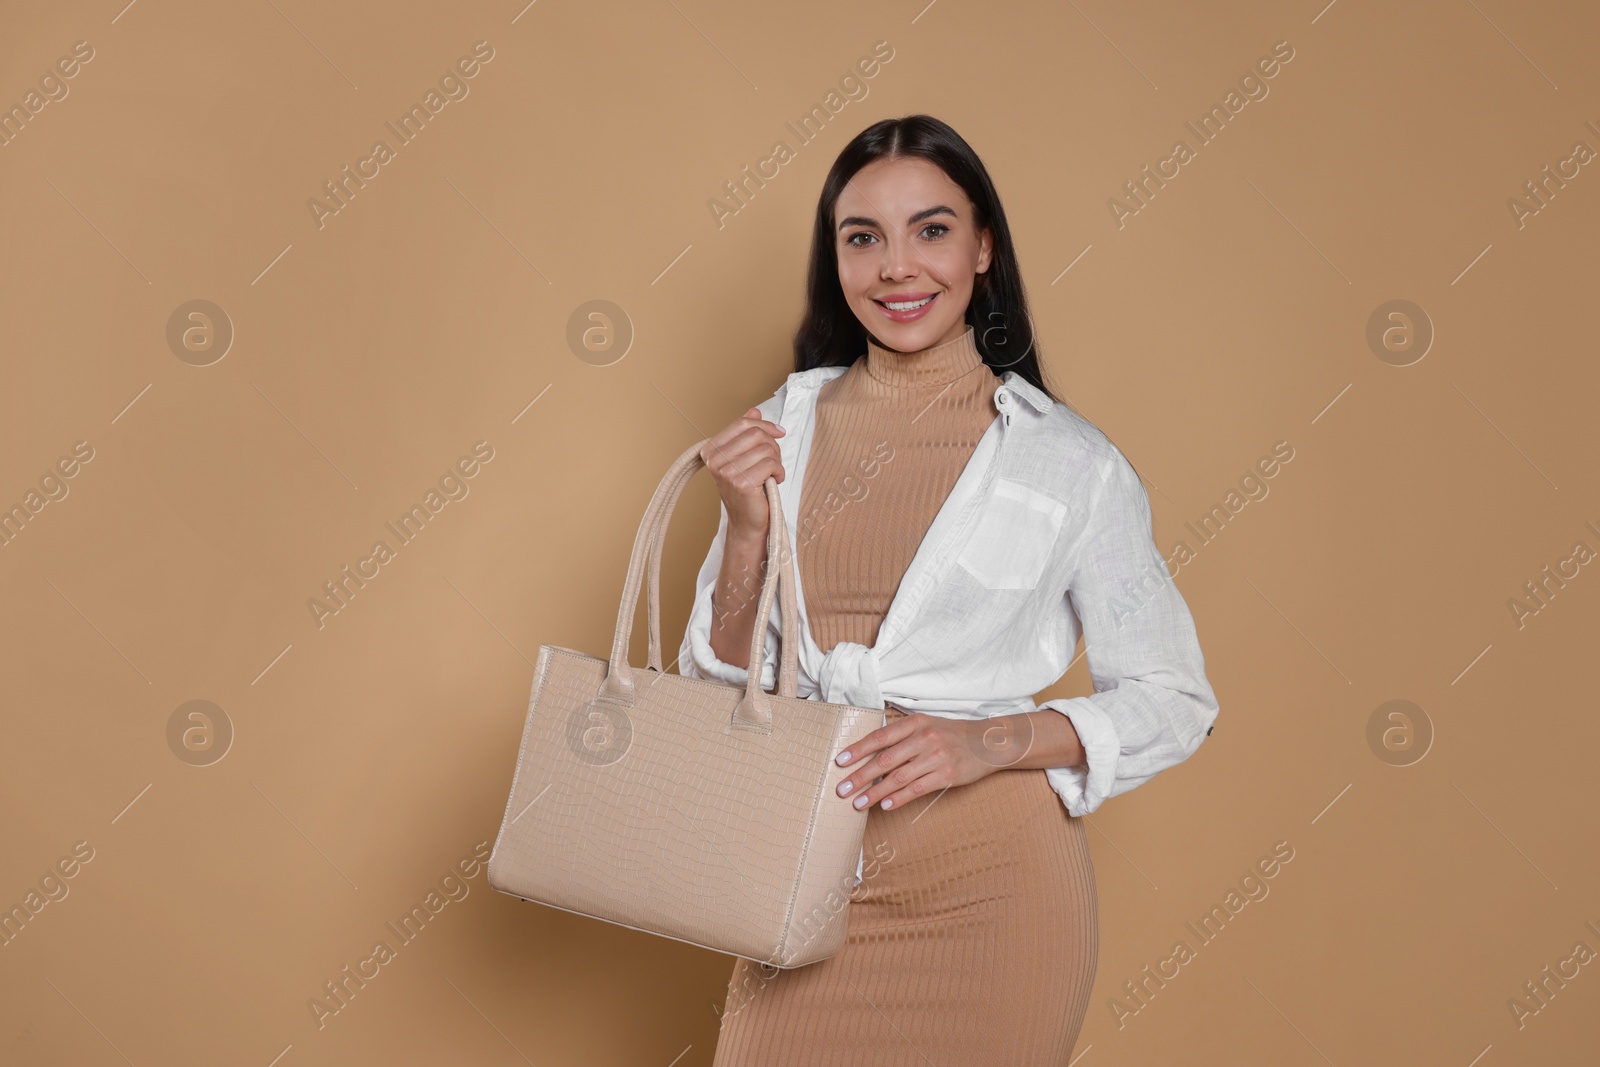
899	259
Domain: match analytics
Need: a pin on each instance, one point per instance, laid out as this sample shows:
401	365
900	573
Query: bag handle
674	488
670	489
755	709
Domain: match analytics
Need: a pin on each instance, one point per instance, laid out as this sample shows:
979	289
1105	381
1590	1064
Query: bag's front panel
663	816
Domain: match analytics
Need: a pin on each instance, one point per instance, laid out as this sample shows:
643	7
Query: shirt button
1001	399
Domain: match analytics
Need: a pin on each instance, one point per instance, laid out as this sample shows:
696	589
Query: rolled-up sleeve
1152	704
695	658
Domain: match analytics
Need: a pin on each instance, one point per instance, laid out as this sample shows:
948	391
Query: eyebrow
926	213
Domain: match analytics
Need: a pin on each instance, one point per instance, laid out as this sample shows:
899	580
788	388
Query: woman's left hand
914	755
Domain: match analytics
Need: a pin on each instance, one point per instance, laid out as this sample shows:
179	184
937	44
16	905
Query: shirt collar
1015	383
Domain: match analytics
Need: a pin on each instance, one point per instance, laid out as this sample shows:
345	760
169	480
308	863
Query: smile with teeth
905	305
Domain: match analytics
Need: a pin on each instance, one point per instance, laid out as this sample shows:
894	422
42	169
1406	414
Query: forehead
897	188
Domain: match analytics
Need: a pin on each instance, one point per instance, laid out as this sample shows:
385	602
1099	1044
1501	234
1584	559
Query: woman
956	527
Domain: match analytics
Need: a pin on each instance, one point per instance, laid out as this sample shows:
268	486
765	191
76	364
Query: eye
851	240
941	227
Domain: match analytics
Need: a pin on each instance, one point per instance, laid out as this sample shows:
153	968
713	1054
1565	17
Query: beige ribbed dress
974	934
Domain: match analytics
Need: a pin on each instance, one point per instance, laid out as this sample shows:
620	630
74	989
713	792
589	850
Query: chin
912	338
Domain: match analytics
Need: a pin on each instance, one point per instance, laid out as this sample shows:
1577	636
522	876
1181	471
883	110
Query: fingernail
861	801
845	787
887	802
844	757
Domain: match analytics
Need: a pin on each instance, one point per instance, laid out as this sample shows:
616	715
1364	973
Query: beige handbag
685	807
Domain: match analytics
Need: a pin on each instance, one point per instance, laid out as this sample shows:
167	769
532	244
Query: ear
985	251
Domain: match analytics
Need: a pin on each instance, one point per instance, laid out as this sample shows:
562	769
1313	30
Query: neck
936	365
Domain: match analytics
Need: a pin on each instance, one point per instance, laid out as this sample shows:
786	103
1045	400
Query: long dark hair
830	335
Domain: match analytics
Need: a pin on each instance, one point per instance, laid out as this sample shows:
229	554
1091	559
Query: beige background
371	754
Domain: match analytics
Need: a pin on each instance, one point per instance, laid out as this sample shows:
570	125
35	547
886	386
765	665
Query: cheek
953	266
856	276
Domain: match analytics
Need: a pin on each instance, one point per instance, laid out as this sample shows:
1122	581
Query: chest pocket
1014	537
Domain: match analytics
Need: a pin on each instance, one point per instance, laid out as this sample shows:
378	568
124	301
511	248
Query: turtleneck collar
936	365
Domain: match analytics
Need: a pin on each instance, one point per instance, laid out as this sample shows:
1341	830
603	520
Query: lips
909	306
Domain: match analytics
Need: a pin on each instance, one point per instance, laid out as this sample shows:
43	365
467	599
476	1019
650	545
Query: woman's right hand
741	457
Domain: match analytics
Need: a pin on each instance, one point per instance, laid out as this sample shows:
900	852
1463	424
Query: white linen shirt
1047	528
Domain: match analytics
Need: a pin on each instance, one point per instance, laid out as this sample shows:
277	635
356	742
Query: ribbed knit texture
893	434
974	935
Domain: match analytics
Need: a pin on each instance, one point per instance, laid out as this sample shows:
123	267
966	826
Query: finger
750	426
752	469
739	436
907	782
754	435
763	423
884	762
732	442
882	737
927	784
859	755
742	458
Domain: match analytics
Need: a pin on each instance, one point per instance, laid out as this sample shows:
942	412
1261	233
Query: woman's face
905	236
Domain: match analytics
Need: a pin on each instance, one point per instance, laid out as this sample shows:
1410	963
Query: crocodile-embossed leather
684	807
